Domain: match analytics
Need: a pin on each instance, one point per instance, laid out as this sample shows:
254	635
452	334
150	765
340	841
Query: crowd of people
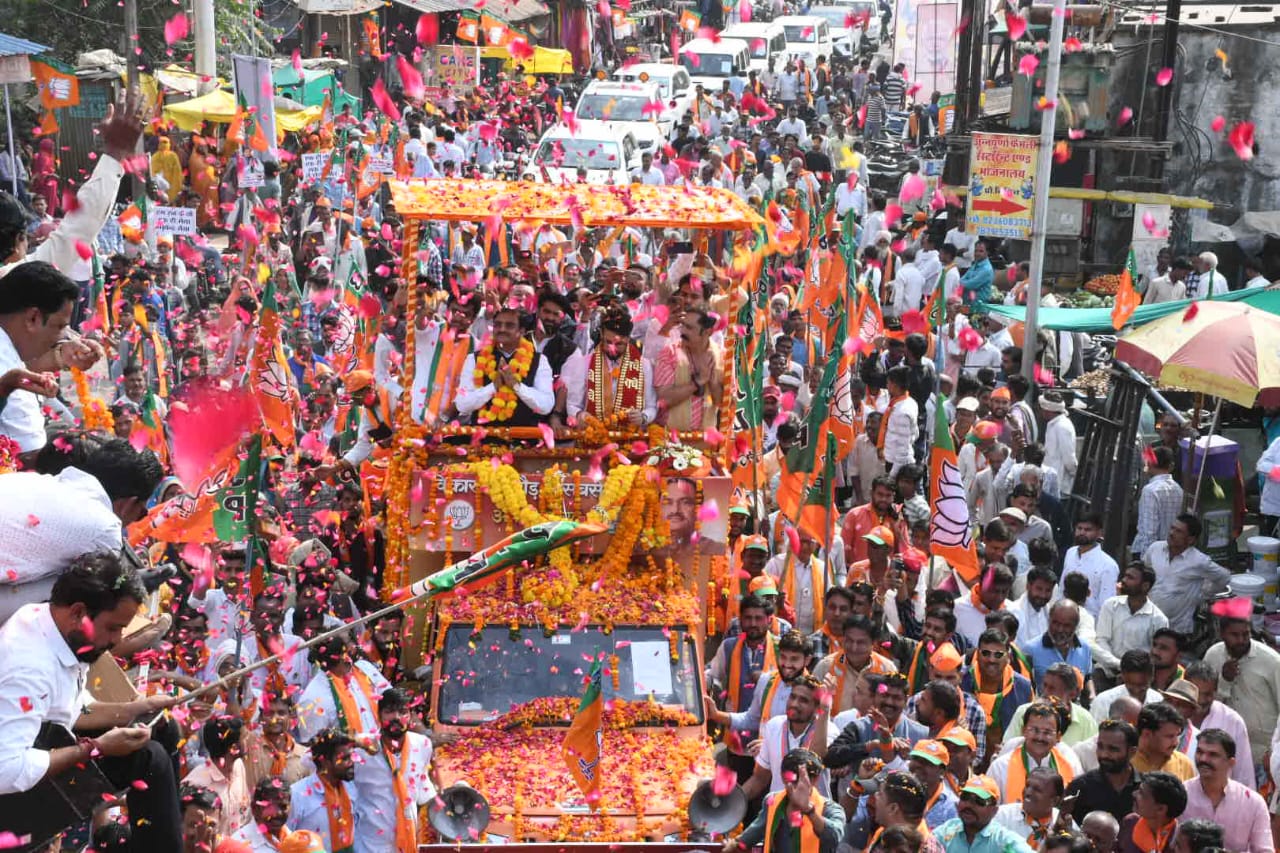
879	701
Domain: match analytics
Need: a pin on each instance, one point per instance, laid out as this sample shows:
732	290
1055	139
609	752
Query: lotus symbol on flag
949	526
271	380
842	399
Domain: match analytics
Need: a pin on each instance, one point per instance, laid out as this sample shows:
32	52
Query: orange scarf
348	710
280	757
1149	840
884	421
766	704
878	665
342	829
1020	765
406	835
1039	830
808	838
275	685
922	828
991	702
976	600
737	659
451	353
817	584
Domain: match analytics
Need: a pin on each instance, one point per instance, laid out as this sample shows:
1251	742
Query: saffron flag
950	528
870	320
585	738
148	430
58	87
808	468
269	372
1126	297
220	508
468	28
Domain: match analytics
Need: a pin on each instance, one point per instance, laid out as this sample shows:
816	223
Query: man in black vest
516	388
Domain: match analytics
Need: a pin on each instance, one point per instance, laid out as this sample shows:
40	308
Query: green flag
237	501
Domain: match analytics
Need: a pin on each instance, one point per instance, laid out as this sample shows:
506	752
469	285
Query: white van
766	40
635	105
808	37
606	152
711	63
672	81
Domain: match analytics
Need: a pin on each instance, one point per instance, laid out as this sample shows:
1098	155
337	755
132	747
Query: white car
711	63
844	39
632	104
808	37
606	153
767	40
672	81
867	24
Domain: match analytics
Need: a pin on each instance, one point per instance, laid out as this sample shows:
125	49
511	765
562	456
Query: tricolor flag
584	740
950	528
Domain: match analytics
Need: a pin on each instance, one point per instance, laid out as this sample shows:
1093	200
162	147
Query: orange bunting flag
950	528
1127	300
269	372
585	738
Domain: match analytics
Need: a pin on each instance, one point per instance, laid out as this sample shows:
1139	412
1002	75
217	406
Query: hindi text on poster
1002	170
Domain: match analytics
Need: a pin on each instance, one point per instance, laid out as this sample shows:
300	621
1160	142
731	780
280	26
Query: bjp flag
1126	297
269	372
58	87
585	738
220	508
808	469
468	29
950	528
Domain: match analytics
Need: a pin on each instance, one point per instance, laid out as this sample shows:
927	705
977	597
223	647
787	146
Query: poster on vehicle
175	221
1002	174
925	40
313	165
450	68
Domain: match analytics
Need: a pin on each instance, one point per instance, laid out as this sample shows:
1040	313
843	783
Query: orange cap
764	585
945	658
757	542
881	535
932	751
982	786
959	736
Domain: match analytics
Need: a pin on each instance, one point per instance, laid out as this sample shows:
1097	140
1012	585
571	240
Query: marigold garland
504	402
95	415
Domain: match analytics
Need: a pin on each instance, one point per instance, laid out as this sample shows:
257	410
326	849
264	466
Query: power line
1151	13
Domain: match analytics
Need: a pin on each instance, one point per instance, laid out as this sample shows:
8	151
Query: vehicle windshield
491	675
612	107
833	15
801	33
707	64
572	153
759	46
663	84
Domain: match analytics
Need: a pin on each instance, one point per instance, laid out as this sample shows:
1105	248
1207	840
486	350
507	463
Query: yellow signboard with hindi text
1002	173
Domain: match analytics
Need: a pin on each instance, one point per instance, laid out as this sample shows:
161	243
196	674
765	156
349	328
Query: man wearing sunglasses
999	690
974	829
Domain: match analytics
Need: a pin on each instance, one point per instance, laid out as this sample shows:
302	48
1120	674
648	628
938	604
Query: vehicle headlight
673	838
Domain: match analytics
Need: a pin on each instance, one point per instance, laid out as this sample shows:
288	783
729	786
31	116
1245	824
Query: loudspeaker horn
460	813
711	812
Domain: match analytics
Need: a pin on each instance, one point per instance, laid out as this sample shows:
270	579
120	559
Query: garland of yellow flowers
95	415
503	404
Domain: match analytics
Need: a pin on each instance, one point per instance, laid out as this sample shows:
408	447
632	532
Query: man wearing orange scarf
989	594
857	655
998	689
342	695
1157	804
325	801
394	783
270	807
1041	730
861	519
796	819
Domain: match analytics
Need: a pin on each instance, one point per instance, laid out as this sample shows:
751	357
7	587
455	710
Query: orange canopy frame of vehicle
634	205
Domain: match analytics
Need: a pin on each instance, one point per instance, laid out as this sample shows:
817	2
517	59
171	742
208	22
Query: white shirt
771	749
805	595
930	266
232	790
1060	450
41	681
1270	488
999	770
1120	630
295	667
47	521
970	621
987	355
851	198
651	178
257	840
307	811
21	418
964	242
317	709
908	289
1183	582
576	402
1101	571
539	396
1011	815
1100	707
376	797
1032	623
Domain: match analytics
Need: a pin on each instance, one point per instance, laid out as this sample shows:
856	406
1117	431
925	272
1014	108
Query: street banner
1002	175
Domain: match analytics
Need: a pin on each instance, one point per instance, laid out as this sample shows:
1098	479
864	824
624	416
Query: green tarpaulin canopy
309	89
1098	320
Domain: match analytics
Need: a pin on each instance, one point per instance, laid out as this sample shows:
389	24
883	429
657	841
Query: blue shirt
1044	654
994	838
977	282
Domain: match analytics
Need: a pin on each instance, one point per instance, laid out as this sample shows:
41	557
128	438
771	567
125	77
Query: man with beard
383	647
325	802
1157	805
939	628
974	829
768	696
1160	728
1185	575
857	655
554	341
1127	621
802	726
1249	680
861	520
1135	683
1000	402
342	694
1032	606
270	806
1215	796
941	714
267	621
990	595
441	348
394	783
837	605
619	382
271	751
1061	642
1040	747
808	822
884	732
899	803
46	649
1087	558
